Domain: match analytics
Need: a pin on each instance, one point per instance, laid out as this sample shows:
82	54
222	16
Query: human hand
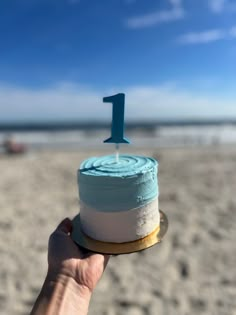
66	259
72	275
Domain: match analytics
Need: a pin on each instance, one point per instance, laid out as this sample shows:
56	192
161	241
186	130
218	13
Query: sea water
161	136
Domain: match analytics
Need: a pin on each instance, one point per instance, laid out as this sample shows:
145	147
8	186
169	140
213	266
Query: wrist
61	294
67	282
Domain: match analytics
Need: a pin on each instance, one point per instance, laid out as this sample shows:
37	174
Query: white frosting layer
120	226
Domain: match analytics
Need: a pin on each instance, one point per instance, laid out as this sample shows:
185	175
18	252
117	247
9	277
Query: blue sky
173	58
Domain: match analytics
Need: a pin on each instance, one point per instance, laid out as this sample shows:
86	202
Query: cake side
118	201
120	227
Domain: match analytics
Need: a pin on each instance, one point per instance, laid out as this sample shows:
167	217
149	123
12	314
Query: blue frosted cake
118	200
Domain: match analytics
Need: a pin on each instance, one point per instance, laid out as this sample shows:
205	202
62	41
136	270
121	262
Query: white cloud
171	102
202	37
176	3
207	36
154	18
62	101
233	31
70	101
217	6
146	20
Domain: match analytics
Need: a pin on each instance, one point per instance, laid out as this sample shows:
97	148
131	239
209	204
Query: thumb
65	226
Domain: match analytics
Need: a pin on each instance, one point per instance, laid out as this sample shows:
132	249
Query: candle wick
117	152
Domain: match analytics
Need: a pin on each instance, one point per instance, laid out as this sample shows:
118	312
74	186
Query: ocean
75	137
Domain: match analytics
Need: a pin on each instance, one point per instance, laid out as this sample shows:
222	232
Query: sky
174	59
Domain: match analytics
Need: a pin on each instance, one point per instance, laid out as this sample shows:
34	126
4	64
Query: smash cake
118	204
119	210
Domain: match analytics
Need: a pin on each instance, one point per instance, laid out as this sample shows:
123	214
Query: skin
71	278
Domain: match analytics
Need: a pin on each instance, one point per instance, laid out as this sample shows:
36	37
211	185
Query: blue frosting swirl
107	185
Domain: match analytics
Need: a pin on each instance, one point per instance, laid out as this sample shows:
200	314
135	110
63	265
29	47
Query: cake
118	200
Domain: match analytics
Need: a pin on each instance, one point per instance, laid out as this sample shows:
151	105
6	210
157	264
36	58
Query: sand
193	271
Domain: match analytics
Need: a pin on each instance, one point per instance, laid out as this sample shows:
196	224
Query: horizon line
97	124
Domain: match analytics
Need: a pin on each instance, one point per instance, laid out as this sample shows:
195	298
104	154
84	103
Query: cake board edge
96	246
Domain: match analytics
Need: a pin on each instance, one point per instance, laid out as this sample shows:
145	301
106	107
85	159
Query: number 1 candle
117	127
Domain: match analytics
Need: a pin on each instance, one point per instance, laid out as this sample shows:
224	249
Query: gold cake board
119	248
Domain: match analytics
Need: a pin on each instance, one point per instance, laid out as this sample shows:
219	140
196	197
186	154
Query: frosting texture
109	186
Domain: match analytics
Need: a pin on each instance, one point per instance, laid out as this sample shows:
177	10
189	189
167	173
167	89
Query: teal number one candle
118	111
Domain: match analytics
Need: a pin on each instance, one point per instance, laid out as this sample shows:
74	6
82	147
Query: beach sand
193	271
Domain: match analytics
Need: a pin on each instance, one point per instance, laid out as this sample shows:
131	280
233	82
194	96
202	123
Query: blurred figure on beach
10	146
